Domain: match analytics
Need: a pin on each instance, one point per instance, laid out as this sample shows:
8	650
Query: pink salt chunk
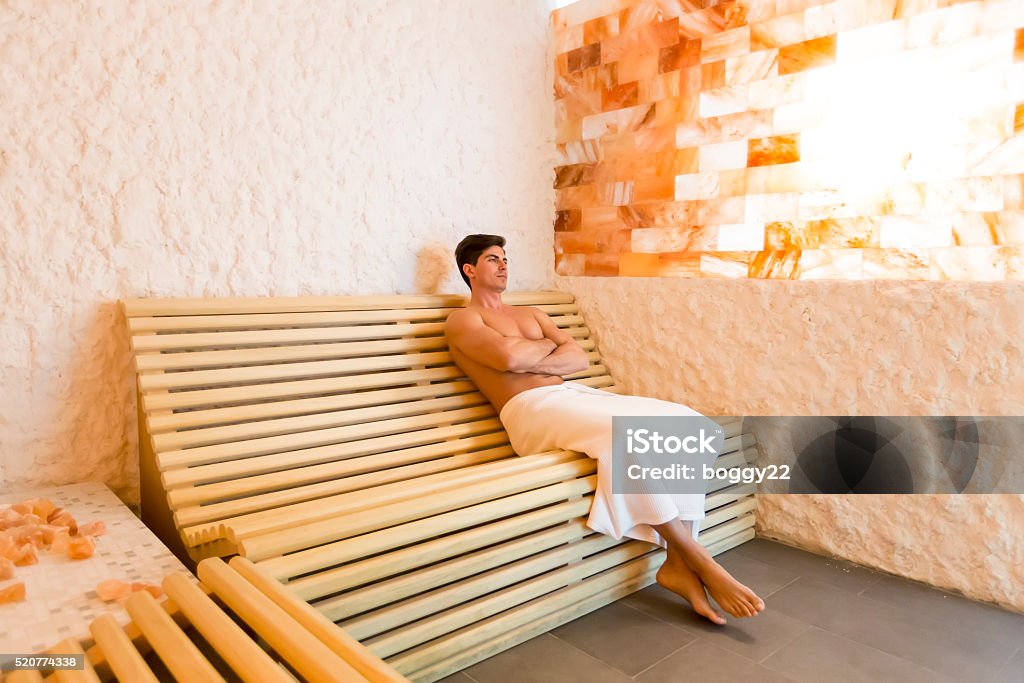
6	569
12	593
81	547
22	508
112	589
97	528
50	532
151	588
60	541
62	517
42	506
26	555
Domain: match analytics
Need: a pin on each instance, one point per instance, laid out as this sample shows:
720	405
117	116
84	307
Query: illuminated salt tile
1018	119
796	177
654	189
871	41
1013	191
820	21
728	100
982	56
580	12
575	197
567	221
568	84
598	218
659	87
721	156
620	97
686	161
755	66
930	161
831	264
676	110
604	77
823	204
592	242
577	105
569	264
757	10
757	179
1008	227
683	54
790	6
569	39
634	67
662	214
712	75
798	117
973	229
740	237
769	208
944	25
896	264
772	92
732	183
834	233
567	131
964	194
583	152
853	14
1014	257
651	139
584	57
997	159
614	194
637	15
618	121
732	13
696	186
562	64
731	43
601	265
778	32
574	174
976	264
1015	82
690	80
999	14
721	210
700	23
630	41
904	198
809	54
596	30
682	238
638	265
745	124
774	265
916	232
699	132
1018	46
725	264
778	149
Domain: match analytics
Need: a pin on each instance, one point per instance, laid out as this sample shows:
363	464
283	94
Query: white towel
579	418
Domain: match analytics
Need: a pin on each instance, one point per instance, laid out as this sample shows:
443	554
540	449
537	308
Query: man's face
491	270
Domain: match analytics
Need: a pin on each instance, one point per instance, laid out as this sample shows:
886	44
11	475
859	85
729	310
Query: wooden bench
332	442
196	633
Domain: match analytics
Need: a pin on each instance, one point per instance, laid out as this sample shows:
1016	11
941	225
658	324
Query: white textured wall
742	347
150	148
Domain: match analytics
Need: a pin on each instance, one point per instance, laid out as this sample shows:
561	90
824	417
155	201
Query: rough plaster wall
727	347
230	148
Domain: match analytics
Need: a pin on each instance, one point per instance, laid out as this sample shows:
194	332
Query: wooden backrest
332	442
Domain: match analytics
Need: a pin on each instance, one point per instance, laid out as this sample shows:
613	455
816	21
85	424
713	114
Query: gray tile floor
825	620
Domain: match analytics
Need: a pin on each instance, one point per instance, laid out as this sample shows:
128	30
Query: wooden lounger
332	442
209	631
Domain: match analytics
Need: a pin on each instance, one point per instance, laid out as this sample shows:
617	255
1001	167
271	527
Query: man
516	356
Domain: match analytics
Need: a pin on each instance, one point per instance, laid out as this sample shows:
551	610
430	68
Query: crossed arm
556	354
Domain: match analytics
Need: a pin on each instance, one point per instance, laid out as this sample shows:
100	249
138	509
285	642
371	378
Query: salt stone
6	569
96	528
81	547
26	555
13	593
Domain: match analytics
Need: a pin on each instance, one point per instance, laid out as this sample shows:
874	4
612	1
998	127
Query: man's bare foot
730	594
677	577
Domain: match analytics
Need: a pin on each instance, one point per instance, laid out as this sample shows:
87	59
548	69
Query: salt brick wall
212	149
795	139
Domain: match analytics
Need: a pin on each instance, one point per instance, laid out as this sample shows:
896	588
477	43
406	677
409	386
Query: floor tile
623	637
704	661
818	655
900	632
840	574
1013	671
544	659
457	677
761	577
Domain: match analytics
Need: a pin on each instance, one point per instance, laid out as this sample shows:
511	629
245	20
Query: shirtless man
516	355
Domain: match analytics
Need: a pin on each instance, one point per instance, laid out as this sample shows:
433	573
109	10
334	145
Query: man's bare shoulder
461	317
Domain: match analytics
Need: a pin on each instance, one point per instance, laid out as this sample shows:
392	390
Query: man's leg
688	560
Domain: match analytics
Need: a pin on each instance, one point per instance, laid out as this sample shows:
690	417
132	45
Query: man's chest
514	324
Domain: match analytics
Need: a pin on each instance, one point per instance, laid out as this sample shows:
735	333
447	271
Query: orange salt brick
81	547
151	588
567	221
573	174
596	30
12	593
113	589
639	265
584	57
731	43
807	55
784	265
94	528
620	97
1018	46
601	265
683	54
735	14
654	189
6	569
778	149
570	264
634	67
712	75
26	555
784	30
1018	119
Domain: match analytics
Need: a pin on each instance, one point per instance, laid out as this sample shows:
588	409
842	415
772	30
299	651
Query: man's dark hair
471	247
